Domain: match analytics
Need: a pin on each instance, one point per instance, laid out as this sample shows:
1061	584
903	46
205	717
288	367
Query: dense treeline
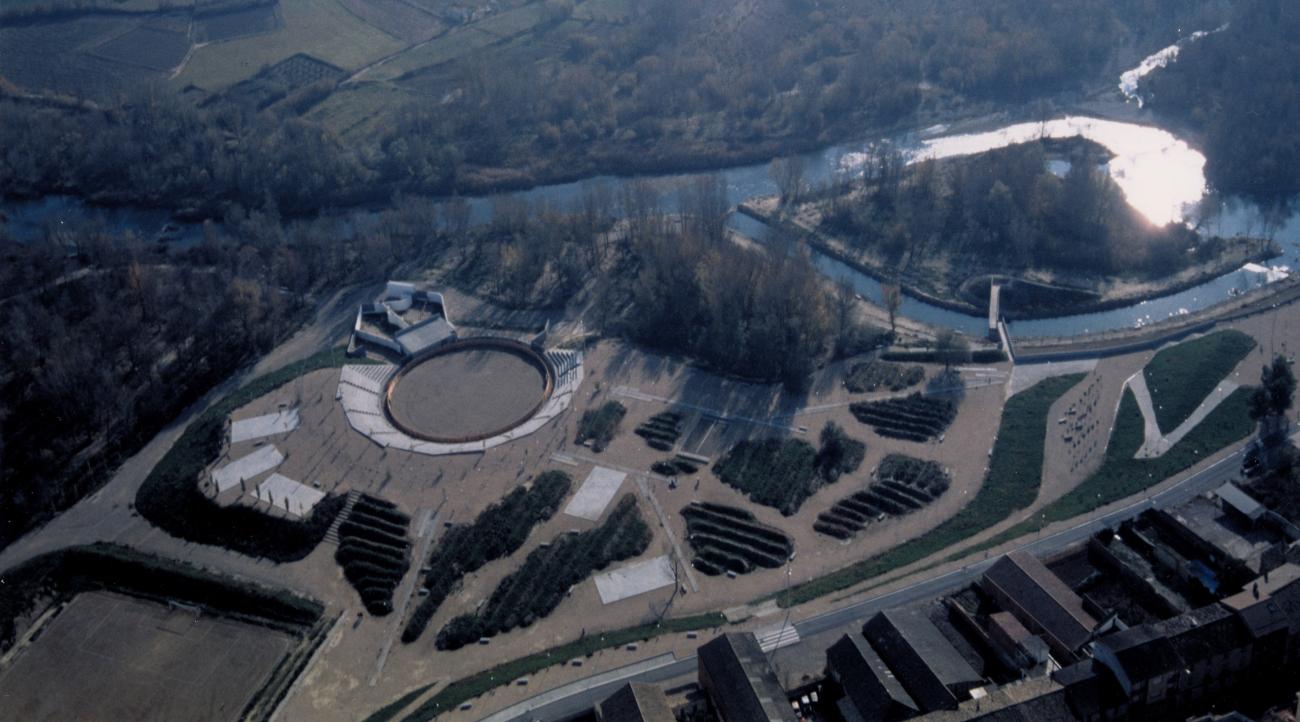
1239	86
1006	210
676	85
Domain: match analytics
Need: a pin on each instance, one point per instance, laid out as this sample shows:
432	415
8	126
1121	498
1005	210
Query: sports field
111	657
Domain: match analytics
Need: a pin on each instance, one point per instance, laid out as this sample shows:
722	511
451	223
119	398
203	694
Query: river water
1160	175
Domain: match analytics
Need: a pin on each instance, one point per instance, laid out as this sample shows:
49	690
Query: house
1025	587
931	670
871	691
740	682
635	702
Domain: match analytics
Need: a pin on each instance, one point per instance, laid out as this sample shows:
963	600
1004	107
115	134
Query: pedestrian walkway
1154	444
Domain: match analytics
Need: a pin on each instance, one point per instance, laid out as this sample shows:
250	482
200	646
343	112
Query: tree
891	297
1273	398
787	174
951	348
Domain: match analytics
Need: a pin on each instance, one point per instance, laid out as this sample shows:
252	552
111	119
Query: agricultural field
56	56
461	41
496	533
241	23
902	485
405	21
1180	377
883	375
109	657
728	539
374	551
915	418
323	29
282	79
783	473
543	581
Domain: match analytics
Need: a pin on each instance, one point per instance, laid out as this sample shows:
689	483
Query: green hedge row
915	418
374	551
534	590
498	532
727	538
170	498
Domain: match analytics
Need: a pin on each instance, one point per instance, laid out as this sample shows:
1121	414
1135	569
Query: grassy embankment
1181	376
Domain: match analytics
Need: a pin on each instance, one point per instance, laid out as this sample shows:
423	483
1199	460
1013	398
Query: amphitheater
465	396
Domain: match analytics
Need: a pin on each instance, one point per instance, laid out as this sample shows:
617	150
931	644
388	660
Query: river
1160	175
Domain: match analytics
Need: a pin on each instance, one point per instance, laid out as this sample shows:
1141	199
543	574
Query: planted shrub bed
725	539
874	375
672	467
915	418
170	498
662	430
598	426
783	473
374	551
497	532
537	588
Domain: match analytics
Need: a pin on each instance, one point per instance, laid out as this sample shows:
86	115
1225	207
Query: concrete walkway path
1154	444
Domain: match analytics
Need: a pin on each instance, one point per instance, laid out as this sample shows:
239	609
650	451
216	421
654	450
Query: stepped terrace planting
662	430
727	539
783	473
915	418
374	551
903	485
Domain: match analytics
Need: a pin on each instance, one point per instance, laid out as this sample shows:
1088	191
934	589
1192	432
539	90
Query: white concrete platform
595	493
292	496
267	425
246	467
633	579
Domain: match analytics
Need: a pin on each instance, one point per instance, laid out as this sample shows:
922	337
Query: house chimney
1255	590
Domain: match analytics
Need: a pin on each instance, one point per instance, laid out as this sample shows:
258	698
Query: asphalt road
849	617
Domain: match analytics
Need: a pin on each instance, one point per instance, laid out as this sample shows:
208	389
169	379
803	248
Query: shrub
535	589
662	430
783	473
874	375
497	532
599	425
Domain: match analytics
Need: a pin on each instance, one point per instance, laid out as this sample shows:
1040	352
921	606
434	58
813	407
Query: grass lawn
1015	473
1121	475
461	41
323	29
1181	376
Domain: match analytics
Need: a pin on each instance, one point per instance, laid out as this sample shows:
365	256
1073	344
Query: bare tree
951	348
891	297
788	174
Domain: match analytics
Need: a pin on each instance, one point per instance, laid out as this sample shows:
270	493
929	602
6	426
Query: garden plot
635	579
236	24
595	493
246	467
294	497
266	425
147	47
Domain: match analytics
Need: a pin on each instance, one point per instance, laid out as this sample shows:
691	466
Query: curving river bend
1161	176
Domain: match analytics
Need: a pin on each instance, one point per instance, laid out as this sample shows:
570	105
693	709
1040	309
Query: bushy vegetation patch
497	532
662	430
1180	377
170	498
875	375
727	539
537	588
1015	473
374	551
674	466
64	574
903	485
598	426
782	473
915	418
1122	476
979	356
